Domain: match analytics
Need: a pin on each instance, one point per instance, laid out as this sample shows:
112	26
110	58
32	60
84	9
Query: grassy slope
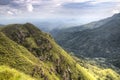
99	72
57	52
26	59
19	58
7	73
74	66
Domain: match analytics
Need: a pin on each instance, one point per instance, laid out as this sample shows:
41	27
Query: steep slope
20	58
35	53
103	41
7	73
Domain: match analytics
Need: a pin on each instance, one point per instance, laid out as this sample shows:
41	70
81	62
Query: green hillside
7	73
34	54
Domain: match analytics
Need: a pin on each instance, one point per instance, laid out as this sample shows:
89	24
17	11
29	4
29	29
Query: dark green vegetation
103	41
27	53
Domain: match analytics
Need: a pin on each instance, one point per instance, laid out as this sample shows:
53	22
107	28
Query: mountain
48	26
51	24
27	53
67	30
103	41
1	25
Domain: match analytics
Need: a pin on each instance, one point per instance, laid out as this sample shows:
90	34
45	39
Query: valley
101	41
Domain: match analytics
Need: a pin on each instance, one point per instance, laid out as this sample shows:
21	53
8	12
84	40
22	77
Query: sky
79	11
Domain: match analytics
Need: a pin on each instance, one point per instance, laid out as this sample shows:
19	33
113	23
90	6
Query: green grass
7	73
78	71
20	58
15	55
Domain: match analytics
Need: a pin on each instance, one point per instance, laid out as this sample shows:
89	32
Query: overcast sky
77	10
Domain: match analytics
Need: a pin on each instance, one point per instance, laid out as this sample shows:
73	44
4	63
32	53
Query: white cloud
94	1
48	7
58	4
10	13
30	7
80	0
115	11
100	1
63	1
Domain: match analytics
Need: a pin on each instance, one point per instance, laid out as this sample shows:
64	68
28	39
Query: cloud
10	13
60	8
101	1
4	2
115	11
76	5
30	7
89	4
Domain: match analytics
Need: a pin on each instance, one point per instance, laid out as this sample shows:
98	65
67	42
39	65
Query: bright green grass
7	73
18	57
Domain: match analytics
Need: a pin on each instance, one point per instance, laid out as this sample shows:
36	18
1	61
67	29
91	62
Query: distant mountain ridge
1	25
103	41
90	25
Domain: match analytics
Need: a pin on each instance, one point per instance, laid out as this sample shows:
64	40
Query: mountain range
98	39
92	25
27	53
